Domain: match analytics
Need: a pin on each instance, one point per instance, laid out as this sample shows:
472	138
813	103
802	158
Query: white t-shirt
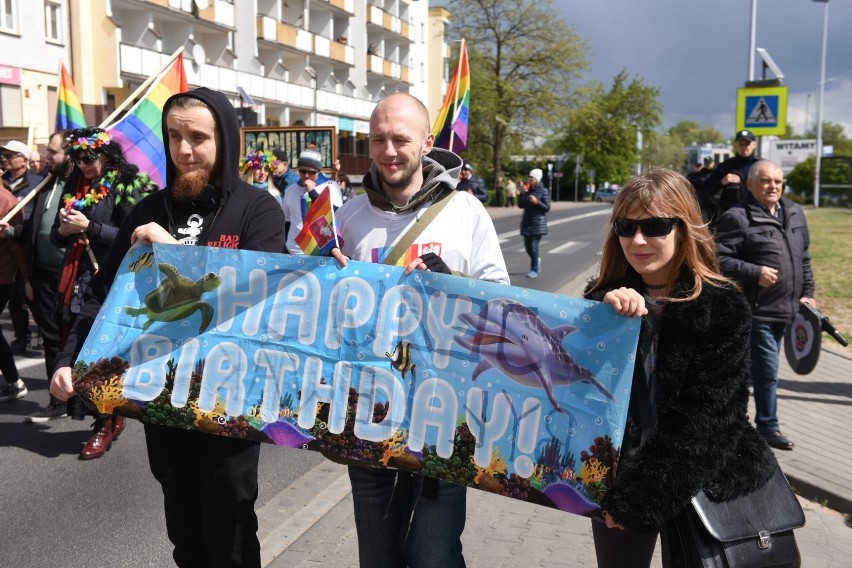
462	234
293	211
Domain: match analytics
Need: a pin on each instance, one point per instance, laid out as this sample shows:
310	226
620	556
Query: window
8	18
53	21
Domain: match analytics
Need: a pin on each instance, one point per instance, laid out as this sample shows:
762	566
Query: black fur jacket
703	439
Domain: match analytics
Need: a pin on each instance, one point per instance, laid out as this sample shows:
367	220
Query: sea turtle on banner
177	297
803	339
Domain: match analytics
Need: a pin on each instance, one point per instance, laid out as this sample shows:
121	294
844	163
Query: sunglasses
653	227
87	160
10	156
308	172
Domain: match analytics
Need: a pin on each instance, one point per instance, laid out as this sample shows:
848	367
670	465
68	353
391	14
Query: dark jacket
723	197
748	237
29	230
703	437
476	185
534	221
29	183
244	218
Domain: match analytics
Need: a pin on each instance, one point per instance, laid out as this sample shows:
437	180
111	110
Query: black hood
227	174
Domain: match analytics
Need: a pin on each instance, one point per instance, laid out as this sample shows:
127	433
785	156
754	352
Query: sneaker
19	346
532	274
48	412
11	392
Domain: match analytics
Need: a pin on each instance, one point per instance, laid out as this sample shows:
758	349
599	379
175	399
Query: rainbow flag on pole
450	128
319	231
69	111
140	131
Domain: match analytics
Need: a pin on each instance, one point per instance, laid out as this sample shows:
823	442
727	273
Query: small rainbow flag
69	111
319	231
140	131
450	128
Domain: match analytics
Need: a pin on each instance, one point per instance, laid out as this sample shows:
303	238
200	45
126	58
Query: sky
696	53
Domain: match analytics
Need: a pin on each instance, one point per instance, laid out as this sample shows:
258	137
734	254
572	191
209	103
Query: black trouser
209	487
7	358
44	308
18	312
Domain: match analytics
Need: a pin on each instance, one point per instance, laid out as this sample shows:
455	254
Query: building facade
282	62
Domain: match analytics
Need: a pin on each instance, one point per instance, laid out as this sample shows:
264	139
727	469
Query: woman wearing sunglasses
98	197
687	422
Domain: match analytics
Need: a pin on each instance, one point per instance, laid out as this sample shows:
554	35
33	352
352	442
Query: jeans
766	339
209	489
531	246
399	526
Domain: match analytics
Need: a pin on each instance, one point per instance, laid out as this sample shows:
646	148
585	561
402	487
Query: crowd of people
715	265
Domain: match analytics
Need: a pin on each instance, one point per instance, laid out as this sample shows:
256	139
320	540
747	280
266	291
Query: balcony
218	12
286	36
388	22
389	69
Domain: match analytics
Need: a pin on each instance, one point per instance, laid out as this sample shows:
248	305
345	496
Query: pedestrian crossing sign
763	110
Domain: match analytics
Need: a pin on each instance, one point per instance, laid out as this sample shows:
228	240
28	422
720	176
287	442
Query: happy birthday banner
512	391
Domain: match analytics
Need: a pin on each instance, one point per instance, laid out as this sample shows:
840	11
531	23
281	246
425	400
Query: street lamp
820	103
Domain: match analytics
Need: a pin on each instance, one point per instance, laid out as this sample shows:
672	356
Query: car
605	195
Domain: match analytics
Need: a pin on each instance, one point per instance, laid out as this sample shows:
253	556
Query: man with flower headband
98	198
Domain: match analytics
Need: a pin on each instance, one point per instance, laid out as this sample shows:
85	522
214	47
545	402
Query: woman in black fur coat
687	423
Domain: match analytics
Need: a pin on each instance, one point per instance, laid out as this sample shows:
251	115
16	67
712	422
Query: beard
188	187
401	179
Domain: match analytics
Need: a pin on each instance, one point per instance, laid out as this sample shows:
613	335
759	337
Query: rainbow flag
450	128
69	111
319	231
140	131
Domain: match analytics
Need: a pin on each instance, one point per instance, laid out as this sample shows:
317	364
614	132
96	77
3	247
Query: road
58	511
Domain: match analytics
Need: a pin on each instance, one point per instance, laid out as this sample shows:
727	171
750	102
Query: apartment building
282	62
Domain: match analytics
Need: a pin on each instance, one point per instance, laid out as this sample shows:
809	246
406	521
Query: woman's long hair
663	192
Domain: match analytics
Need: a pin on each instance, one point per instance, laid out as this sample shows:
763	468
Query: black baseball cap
747	134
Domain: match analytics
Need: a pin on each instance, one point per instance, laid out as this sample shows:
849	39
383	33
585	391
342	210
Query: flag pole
141	89
456	94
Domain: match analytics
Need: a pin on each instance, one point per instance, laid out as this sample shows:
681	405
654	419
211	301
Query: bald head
408	105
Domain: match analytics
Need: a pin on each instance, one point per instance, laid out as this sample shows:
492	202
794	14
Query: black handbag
752	531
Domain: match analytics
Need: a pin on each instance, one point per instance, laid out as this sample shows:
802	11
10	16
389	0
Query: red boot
118	423
100	441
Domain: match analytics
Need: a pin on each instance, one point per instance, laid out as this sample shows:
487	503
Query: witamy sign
789	153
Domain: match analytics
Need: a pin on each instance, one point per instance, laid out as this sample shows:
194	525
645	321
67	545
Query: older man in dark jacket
472	183
763	244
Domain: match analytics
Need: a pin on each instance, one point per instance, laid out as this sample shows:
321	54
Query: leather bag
752	531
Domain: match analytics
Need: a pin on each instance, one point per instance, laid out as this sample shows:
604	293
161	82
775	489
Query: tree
832	171
524	61
833	135
603	129
689	132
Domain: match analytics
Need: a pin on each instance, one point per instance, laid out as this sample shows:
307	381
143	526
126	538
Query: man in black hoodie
209	482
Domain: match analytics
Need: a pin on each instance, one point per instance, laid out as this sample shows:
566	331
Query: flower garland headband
90	143
258	160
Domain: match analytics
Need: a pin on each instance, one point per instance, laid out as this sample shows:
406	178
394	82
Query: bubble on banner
587	318
293	386
117	310
261	261
277	266
571	432
510	439
322	261
300	261
263	338
235	257
461	394
471	284
353	343
360	356
368	338
357	273
465	363
548	419
482	292
417	277
256	379
387	276
631	357
616	434
381	268
618	339
104	338
614	371
120	338
463	380
178	342
149	280
490	385
598	420
304	446
184	323
128	287
411	384
204	343
524	466
321	425
331	275
601	346
563	314
525	292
